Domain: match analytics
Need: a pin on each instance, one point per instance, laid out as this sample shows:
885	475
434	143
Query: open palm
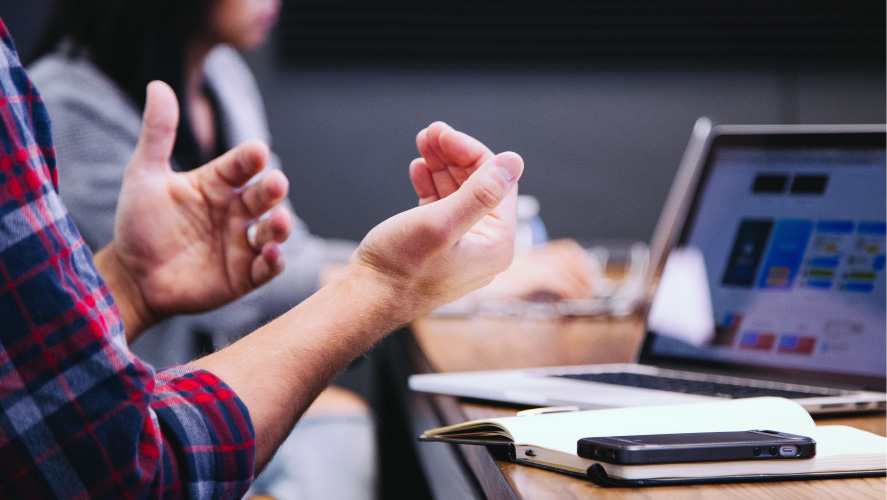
182	237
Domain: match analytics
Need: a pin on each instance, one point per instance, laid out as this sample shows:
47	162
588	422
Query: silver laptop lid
789	222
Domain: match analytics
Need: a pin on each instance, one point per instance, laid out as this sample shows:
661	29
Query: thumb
483	192
159	124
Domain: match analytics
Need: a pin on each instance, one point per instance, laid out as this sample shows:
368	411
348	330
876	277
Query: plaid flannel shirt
80	415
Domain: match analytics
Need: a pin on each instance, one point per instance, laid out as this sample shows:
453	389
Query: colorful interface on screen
794	248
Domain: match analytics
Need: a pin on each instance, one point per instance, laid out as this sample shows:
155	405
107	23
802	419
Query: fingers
236	167
274	228
559	269
483	193
427	150
462	150
569	283
423	182
571	267
269	263
270	232
265	194
573	257
444	147
450	156
159	123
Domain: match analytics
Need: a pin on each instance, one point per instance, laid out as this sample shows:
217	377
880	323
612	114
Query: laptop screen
791	233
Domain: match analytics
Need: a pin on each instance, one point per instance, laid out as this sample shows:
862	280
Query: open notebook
770	261
549	441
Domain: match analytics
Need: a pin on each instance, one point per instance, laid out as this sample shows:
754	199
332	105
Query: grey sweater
95	127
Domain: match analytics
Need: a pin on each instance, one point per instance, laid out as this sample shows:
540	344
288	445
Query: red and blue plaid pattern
80	415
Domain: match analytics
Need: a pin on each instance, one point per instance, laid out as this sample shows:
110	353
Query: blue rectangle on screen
827	262
859	287
788	342
748	250
835	226
872	228
785	254
819	284
748	339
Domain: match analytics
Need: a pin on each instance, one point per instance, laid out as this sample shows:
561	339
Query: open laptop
787	228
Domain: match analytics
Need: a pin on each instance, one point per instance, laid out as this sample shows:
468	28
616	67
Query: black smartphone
696	447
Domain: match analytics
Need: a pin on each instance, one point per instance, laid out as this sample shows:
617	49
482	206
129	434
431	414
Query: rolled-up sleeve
80	415
206	434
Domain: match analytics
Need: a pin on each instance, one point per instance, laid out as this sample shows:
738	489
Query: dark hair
133	42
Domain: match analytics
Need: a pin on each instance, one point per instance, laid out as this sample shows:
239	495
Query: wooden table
468	471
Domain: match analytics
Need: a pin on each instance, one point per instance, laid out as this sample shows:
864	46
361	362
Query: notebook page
561	431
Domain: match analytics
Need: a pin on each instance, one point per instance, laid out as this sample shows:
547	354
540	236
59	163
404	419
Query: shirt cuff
209	436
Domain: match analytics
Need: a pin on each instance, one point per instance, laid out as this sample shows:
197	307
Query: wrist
305	348
134	312
387	298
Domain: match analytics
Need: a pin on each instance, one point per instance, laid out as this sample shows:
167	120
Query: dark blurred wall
601	143
23	18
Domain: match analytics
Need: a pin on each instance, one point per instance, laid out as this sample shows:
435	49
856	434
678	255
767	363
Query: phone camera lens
773	451
756	451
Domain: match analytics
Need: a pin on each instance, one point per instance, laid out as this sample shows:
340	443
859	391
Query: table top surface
460	344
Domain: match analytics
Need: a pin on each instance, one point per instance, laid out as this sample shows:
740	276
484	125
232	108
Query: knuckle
487	194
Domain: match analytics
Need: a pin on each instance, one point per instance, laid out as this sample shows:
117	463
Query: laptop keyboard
700	387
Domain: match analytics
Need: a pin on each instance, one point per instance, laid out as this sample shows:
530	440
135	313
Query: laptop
769	265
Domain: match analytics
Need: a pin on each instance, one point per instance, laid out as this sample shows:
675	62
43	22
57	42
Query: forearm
279	369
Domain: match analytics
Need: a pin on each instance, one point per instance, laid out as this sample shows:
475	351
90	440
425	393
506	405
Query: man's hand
561	269
449	157
461	236
180	239
415	261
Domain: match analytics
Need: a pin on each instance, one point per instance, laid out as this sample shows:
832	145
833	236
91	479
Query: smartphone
696	447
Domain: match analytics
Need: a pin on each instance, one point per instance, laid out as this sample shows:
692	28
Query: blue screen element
748	247
835	226
828	262
872	228
786	253
859	287
823	284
